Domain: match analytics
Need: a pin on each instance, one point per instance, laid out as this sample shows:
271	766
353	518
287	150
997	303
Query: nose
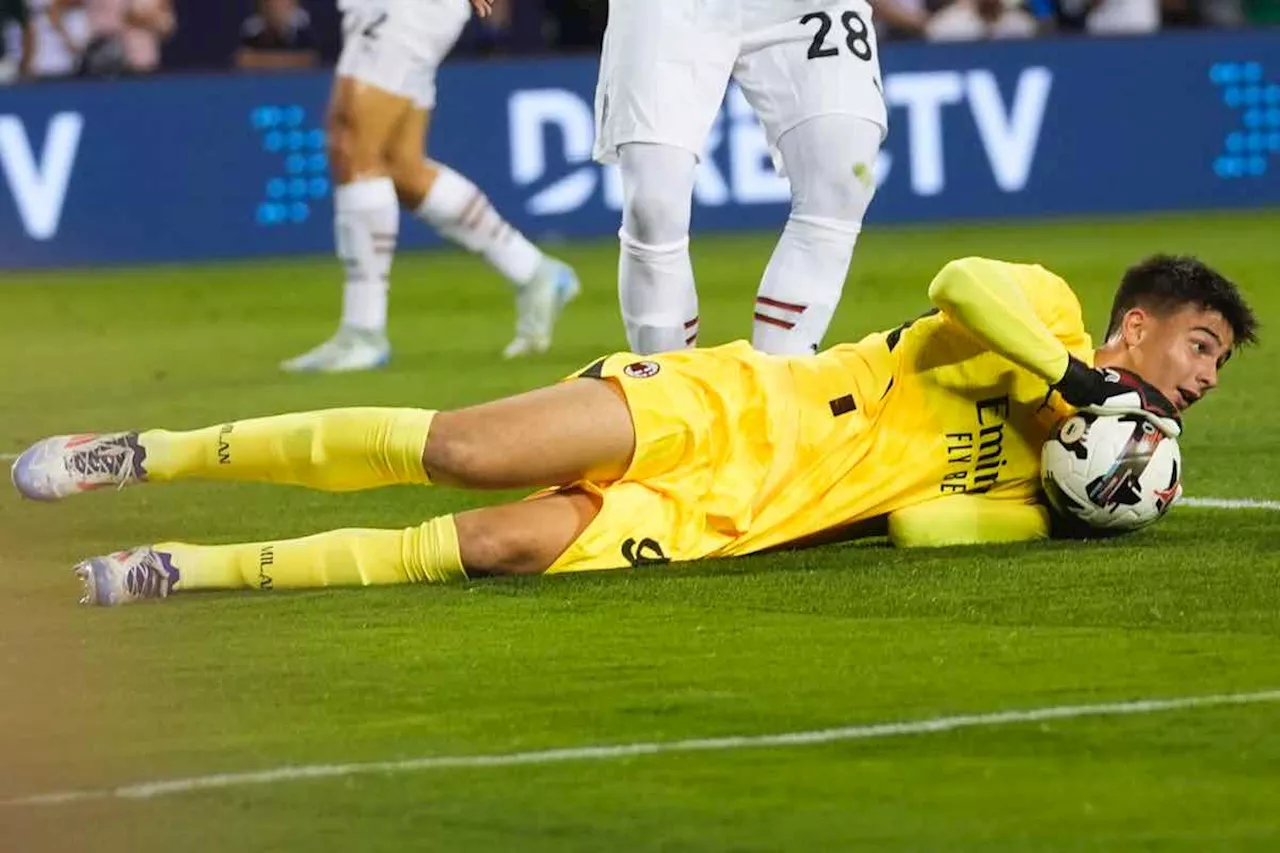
1208	378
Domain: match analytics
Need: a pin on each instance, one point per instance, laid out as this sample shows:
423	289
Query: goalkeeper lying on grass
935	425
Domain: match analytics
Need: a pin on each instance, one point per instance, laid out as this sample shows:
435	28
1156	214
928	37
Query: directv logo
536	114
39	183
736	167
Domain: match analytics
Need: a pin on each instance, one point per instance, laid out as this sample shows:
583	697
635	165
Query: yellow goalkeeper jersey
738	451
944	415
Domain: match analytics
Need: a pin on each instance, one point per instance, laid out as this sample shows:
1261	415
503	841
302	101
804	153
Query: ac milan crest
642	369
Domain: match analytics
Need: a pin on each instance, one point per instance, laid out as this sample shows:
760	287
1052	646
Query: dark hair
1164	283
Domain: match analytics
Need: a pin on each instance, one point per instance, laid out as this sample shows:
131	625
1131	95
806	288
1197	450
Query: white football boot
538	306
64	465
126	577
349	350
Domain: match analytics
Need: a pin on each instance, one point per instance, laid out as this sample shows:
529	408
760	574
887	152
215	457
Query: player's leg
663	73
366	226
578	430
814	82
552	436
454	206
656	289
519	538
829	160
643	436
458	210
368	102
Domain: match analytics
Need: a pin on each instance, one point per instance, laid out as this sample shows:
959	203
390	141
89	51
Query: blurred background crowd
50	39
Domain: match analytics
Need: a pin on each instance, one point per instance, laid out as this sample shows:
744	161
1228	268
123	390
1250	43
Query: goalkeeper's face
1180	351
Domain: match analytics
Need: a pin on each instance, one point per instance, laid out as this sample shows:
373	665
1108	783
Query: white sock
829	160
366	224
655	276
657	294
802	284
458	210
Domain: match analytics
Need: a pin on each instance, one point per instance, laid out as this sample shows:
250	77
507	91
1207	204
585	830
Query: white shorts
665	67
397	45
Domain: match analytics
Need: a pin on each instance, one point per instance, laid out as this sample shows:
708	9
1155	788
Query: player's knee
349	153
341	151
654	215
492	548
833	191
412	176
402	169
830	161
404	162
454	454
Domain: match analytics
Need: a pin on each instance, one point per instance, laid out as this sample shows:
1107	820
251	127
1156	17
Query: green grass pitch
845	635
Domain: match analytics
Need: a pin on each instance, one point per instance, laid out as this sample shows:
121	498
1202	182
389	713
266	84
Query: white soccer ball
1114	473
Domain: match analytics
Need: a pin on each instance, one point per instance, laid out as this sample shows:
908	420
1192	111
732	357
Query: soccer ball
1114	473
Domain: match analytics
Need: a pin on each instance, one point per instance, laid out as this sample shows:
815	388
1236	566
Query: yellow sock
355	557
334	449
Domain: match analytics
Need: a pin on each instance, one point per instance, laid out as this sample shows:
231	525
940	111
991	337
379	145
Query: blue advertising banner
203	167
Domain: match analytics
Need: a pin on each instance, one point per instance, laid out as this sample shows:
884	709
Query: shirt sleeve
1025	313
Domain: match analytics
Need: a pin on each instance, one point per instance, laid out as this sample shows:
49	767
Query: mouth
1186	398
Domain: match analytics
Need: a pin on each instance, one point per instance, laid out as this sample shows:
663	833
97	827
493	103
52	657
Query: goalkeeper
935	426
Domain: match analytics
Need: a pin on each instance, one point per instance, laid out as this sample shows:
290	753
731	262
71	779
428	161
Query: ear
1134	326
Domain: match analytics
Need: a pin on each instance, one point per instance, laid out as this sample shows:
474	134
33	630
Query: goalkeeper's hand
1115	391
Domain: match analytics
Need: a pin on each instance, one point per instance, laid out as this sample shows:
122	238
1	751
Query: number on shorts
353	23
816	50
857	35
371	30
856	39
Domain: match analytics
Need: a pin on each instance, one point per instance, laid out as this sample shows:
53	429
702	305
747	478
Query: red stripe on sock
476	198
477	216
689	341
691	323
785	306
774	321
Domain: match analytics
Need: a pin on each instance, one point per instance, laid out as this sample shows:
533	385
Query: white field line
161	788
1229	503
